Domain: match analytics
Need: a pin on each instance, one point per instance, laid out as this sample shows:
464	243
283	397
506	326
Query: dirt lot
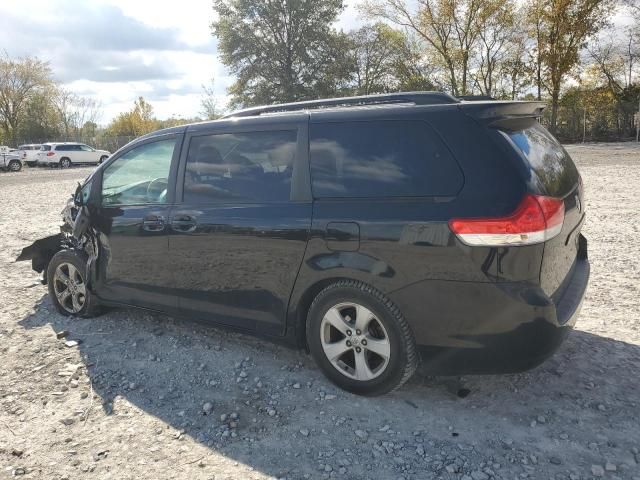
150	397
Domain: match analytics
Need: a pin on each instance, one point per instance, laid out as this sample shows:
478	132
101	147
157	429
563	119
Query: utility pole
584	125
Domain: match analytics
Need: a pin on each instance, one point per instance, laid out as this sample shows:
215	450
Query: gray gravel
151	397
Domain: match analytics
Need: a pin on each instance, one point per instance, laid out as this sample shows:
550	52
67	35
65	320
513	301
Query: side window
140	175
244	167
84	148
390	158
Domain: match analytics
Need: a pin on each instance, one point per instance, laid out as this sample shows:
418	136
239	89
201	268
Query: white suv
66	154
29	153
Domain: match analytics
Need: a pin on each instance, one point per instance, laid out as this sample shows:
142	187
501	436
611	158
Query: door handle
153	223
183	223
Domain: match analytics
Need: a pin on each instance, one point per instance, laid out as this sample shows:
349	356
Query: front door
238	238
137	194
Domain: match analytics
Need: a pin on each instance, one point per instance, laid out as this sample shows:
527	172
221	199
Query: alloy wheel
355	341
69	287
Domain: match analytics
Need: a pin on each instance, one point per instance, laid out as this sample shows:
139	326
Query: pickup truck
9	161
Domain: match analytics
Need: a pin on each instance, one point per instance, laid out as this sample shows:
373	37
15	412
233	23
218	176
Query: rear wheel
65	163
360	339
67	282
15	166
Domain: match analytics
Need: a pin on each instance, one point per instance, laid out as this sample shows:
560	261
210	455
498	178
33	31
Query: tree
209	103
375	49
450	30
563	28
74	111
20	80
136	122
279	50
497	30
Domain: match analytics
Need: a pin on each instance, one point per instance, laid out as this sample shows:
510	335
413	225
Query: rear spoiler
504	114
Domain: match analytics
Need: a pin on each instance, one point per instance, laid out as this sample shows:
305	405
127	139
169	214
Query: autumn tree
279	50
562	30
137	121
450	30
20	81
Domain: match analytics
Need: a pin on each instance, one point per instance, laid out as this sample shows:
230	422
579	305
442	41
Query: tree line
550	50
564	52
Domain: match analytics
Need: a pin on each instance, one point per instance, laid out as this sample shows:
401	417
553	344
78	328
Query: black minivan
378	232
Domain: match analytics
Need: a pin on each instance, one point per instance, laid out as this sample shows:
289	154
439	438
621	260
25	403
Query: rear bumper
491	327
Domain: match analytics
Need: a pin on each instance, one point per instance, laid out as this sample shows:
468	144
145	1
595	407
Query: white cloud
117	50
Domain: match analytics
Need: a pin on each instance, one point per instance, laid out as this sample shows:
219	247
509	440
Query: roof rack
417	98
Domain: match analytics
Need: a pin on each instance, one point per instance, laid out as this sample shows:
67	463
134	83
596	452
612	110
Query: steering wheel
157	188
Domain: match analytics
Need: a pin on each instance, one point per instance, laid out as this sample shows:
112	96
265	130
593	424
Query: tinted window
45	148
140	175
381	159
552	164
250	167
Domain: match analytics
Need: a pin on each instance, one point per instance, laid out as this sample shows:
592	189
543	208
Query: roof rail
417	98
475	98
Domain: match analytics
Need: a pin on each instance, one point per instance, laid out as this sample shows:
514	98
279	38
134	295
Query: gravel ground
148	397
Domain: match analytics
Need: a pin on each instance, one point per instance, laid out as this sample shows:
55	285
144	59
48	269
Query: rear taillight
51	154
537	219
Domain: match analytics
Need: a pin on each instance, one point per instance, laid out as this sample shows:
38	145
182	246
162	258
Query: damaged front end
75	234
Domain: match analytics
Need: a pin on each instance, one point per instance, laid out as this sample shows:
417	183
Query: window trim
428	125
171	182
300	178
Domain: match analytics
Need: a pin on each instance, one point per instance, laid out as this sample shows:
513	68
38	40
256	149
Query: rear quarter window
556	173
386	158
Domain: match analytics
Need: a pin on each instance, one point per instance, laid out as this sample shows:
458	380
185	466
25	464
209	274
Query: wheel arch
301	308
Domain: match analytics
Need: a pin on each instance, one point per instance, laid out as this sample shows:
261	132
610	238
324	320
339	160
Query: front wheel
15	166
102	159
67	282
360	339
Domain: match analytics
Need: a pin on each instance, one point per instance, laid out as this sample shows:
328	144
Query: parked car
67	154
29	153
9	161
377	232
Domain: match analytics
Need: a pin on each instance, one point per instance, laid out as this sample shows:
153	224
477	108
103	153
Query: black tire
15	166
402	360
77	259
102	159
65	162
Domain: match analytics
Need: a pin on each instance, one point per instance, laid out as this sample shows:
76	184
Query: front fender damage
75	234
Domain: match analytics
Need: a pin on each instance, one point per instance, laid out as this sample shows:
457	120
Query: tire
332	320
15	166
65	162
71	299
102	159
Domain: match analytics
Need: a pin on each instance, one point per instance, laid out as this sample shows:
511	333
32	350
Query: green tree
209	103
20	80
279	50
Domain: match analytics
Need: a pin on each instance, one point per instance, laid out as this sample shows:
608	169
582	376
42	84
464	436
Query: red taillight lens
536	220
51	154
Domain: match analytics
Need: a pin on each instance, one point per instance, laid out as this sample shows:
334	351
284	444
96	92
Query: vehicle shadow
290	418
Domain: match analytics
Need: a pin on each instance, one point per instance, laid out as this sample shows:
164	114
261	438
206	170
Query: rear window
45	148
556	172
389	158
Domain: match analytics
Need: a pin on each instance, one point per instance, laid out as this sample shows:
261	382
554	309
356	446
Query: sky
117	50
